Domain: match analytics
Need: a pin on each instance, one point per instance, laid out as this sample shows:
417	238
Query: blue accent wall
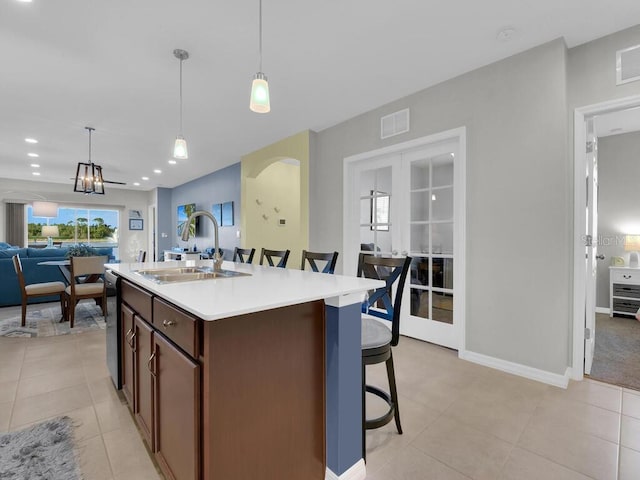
165	222
218	187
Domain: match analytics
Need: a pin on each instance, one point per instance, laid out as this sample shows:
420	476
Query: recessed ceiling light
145	178
35	173
172	162
157	170
35	165
506	34
25	1
136	184
31	140
33	155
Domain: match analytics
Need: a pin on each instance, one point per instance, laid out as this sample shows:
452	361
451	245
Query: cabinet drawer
178	326
626	290
625	306
626	276
139	300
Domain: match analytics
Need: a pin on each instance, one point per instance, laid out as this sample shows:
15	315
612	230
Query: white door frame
579	220
460	136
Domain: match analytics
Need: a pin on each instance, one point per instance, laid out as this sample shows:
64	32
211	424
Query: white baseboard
357	471
518	369
603	310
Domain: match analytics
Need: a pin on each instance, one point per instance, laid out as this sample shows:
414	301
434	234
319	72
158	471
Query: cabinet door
177	411
144	379
128	345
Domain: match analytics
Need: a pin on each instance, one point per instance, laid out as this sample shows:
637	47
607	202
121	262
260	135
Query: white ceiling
109	64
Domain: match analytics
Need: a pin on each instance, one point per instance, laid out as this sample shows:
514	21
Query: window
380	210
98	228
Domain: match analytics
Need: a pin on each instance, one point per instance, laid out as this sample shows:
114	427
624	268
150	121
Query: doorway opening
600	236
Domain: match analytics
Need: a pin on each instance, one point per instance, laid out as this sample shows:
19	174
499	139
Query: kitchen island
255	376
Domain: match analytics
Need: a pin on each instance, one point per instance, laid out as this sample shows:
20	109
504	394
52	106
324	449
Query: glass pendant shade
180	148
260	94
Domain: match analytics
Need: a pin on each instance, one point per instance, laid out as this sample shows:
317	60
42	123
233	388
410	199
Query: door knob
404	252
394	252
600	257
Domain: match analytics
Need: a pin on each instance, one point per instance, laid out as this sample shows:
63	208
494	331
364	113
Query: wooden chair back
240	253
17	266
82	266
311	257
283	255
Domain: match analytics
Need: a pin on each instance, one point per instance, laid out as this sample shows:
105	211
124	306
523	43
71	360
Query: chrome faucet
217	259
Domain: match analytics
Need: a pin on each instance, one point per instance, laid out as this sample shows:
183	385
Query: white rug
44	320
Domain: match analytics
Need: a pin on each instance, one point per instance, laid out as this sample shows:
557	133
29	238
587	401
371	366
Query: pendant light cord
181	97
260	34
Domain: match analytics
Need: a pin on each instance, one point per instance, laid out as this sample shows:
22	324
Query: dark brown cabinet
128	344
177	411
161	383
144	391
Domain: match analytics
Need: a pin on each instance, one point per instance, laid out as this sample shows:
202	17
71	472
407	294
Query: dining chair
33	290
142	255
240	253
283	255
311	257
86	266
381	331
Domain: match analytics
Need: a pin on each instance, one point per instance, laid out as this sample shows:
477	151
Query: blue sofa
33	273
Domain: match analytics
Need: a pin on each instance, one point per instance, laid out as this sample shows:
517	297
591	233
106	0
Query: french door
411	202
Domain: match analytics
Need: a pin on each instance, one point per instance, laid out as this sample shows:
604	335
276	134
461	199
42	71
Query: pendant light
259	102
180	151
89	175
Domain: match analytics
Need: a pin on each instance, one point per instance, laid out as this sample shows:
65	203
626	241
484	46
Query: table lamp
50	231
632	244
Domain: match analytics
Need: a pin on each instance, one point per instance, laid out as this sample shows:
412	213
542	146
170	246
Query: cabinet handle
132	343
153	355
168	323
626	276
126	336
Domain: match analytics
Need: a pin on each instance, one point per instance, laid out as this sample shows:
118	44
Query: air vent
628	65
394	124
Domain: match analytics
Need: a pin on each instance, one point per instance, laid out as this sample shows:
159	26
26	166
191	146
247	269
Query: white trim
358	471
603	310
458	135
549	378
579	225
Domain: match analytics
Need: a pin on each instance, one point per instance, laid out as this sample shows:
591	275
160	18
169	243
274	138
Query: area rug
617	356
44	320
43	452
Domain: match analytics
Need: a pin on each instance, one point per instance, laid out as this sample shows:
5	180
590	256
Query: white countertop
266	288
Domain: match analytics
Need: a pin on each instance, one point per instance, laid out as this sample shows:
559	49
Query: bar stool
378	336
239	254
283	255
311	257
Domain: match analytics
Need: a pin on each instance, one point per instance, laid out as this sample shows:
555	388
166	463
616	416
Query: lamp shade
50	231
45	209
180	148
260	94
632	243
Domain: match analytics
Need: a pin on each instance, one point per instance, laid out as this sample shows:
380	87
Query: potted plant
81	250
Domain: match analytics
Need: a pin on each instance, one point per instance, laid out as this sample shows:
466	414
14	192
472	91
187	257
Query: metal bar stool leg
364	414
394	392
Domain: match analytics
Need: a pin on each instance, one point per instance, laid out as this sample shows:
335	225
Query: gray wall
518	218
618	201
217	187
166	225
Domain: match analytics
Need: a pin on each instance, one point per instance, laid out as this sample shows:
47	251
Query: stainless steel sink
186	274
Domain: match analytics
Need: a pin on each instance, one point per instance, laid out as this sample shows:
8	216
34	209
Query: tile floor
460	420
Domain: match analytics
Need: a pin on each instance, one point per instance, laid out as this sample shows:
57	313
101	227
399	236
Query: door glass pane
442	170
420	303
367	182
420	271
419	238
420	174
442	272
420	206
442	238
442	307
365	211
442	203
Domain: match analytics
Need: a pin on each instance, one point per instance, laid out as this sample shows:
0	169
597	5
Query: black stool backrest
269	254
311	257
239	253
379	302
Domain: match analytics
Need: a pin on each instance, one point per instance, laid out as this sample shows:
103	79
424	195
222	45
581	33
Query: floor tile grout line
15	394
